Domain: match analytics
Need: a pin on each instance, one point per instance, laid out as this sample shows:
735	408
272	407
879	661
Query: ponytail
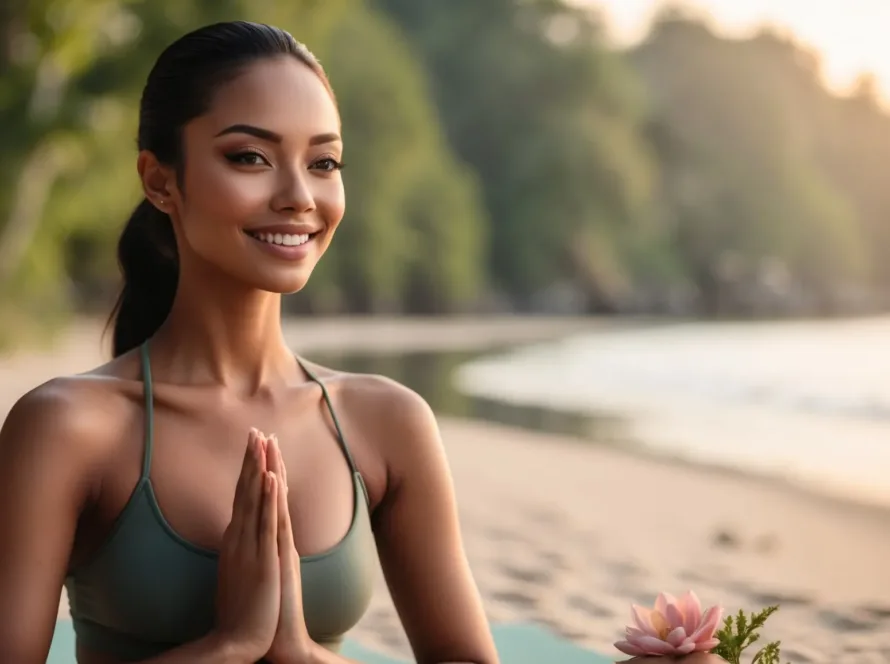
149	264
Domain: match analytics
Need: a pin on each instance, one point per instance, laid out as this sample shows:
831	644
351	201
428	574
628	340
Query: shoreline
567	533
82	346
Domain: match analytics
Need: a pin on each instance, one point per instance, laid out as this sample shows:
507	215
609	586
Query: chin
284	281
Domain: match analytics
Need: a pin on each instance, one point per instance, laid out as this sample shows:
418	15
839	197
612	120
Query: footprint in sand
725	538
503	535
856	620
801	655
878	612
515	598
526	574
709	574
769	598
625	569
590	608
554	560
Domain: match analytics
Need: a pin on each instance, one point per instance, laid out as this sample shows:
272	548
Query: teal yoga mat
517	644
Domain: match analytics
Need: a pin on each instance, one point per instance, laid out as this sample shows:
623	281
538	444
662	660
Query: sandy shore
568	534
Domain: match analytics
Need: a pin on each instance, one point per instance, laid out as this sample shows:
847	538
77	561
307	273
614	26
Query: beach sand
567	533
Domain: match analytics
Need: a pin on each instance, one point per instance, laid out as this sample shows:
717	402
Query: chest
197	446
148	589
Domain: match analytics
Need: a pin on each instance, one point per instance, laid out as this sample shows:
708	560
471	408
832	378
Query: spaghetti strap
149	412
327	398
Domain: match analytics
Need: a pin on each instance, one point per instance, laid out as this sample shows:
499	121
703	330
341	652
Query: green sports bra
147	589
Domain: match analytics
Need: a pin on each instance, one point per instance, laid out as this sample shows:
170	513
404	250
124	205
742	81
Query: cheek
331	203
218	202
226	194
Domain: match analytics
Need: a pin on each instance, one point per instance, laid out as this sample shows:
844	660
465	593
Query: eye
328	164
247	158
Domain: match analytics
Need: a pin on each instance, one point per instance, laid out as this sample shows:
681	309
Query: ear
158	181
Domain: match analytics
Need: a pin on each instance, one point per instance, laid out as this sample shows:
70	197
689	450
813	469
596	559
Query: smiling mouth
282	239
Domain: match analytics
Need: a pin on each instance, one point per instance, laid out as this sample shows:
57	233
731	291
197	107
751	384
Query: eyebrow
273	137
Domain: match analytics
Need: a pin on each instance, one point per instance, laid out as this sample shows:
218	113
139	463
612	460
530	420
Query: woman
182	533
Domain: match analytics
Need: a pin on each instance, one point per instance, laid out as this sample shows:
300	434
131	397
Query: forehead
281	94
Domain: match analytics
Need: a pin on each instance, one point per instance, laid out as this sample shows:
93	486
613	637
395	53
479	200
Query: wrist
229	650
298	653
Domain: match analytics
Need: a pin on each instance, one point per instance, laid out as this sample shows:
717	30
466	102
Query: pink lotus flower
673	627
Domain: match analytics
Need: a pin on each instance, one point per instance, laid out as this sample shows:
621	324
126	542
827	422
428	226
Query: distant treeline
501	157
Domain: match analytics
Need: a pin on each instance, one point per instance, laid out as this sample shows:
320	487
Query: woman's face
263	193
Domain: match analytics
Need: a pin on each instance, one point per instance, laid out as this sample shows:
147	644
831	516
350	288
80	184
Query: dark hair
179	88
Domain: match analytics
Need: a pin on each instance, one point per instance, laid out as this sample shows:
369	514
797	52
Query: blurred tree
548	117
739	185
45	118
69	178
500	154
414	234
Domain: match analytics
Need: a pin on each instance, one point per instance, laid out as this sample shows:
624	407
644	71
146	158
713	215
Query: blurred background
658	227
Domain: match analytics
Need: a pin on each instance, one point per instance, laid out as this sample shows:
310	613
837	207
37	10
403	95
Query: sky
852	36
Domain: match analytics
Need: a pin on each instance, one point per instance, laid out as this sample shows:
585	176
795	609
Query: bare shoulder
69	419
391	416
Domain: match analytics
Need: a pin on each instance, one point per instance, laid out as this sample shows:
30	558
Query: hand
249	580
292	642
695	658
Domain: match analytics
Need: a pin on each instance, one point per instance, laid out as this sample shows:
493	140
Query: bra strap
327	398
149	412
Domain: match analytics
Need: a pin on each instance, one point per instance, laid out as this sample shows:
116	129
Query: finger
283	468
268	526
264	442
252	500
275	453
237	522
272	457
249	455
285	531
262	447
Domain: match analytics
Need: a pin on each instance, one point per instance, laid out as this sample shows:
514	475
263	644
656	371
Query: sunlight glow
851	36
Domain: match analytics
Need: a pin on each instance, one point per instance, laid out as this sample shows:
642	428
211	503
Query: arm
418	535
419	541
45	482
52	446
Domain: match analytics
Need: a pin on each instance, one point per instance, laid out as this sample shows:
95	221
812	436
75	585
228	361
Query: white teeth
282	239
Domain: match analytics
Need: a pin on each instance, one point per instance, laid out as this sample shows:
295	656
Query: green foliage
547	117
497	151
414	213
740	632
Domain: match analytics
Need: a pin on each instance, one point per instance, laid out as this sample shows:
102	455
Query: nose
294	194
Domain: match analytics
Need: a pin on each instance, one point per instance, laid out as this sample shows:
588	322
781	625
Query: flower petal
662	601
654	646
634	632
690	605
629	648
686	647
659	623
675	616
707	644
643	618
708	624
676	637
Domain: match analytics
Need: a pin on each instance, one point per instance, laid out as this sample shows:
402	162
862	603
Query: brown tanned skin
71	449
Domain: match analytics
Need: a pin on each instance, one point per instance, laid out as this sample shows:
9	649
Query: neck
224	333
